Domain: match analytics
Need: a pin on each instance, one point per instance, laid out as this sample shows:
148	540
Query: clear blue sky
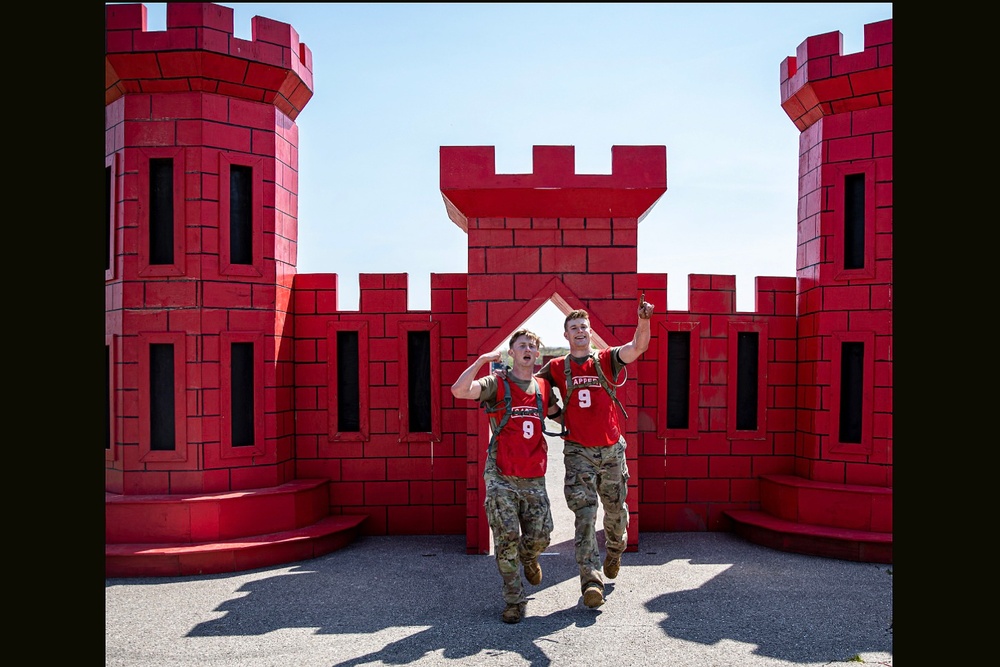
395	82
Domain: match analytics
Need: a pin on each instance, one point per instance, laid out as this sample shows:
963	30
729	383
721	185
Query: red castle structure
252	423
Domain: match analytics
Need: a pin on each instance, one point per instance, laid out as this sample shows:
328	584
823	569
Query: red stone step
231	555
209	517
851	506
761	528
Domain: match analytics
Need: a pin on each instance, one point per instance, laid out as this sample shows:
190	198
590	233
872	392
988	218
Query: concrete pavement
681	600
685	599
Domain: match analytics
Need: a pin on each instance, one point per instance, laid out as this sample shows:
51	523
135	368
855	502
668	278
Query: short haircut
575	315
524	332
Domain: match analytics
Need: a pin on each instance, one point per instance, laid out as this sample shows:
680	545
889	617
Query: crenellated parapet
198	52
229	371
715	294
819	80
472	189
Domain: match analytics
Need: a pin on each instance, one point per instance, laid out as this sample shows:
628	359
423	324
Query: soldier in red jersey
517	504
594	449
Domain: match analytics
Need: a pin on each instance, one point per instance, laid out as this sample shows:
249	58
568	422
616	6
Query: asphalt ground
681	600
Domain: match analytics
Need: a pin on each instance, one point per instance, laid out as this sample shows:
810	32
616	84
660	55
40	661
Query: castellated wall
406	481
417	482
200	132
689	476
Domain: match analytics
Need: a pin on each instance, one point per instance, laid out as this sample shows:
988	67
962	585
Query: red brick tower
202	159
839	500
842	104
202	174
551	234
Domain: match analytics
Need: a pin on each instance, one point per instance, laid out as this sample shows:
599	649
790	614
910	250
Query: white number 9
527	429
584	398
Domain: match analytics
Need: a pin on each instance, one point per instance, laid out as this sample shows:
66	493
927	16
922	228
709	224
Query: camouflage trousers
592	474
520	517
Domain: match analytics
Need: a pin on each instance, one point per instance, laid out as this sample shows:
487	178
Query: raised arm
466	386
640	340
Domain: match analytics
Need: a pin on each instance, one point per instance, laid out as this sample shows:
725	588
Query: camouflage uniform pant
520	517
594	473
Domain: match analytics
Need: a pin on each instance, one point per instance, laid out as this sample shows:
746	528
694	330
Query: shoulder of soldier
547	391
545	371
611	356
490	387
610	352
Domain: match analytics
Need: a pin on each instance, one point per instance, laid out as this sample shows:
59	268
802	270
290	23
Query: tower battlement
198	52
716	294
820	80
472	189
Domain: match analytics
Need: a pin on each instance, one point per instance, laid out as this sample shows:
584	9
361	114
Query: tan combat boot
593	596
612	565
514	612
533	571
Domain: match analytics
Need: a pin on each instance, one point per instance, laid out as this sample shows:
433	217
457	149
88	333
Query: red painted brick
386	493
685	517
855	148
410	520
729	466
363	470
448	520
855	62
395	483
687	467
617	259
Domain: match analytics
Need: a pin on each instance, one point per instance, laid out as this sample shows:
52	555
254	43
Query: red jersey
521	448
590	415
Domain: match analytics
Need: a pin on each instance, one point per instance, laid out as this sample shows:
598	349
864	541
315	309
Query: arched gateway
549	235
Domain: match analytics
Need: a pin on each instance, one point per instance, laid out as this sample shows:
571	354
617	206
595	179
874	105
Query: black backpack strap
569	380
497	426
538	398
